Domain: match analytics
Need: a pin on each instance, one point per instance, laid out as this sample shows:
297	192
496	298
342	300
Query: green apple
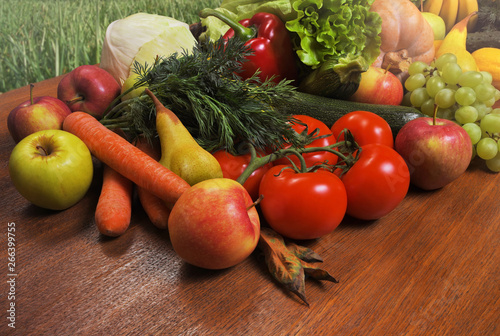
52	169
437	24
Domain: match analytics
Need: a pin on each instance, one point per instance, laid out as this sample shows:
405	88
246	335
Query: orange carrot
114	207
125	158
155	207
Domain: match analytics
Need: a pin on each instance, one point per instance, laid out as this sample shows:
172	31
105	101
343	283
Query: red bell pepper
269	41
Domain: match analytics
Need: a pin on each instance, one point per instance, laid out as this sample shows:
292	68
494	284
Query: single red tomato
315	157
302	205
376	183
366	127
233	166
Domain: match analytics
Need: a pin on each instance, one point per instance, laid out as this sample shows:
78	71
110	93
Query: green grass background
40	39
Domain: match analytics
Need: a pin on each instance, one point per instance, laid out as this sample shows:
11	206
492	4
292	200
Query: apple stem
257	201
74	100
31	93
434	116
389	66
42	150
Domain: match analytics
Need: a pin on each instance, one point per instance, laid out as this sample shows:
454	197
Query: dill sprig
203	89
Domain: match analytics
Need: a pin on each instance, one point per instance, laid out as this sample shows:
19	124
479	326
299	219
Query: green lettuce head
336	40
335	29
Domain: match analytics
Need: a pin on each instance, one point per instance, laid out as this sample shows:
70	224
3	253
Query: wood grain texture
431	267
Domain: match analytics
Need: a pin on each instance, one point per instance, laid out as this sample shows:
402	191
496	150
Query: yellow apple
437	24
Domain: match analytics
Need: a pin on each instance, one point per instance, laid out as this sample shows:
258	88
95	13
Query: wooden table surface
431	267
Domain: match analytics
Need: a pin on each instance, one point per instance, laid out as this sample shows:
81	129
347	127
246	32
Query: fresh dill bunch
203	89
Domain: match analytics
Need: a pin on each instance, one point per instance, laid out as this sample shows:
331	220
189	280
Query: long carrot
125	158
155	207
114	207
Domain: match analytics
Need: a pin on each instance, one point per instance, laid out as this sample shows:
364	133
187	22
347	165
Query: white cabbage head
142	37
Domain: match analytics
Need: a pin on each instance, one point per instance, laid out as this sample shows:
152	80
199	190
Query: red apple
214	224
436	153
379	86
36	114
88	88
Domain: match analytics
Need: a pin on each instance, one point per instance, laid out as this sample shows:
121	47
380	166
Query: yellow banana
465	7
449	12
433	6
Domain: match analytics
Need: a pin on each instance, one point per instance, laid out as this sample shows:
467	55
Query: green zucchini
329	110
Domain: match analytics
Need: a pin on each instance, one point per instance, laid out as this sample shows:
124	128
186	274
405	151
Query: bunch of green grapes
464	97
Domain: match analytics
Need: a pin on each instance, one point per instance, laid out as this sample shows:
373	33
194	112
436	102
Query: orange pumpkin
406	36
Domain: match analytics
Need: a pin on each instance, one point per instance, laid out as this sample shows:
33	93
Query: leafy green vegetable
335	30
202	88
337	40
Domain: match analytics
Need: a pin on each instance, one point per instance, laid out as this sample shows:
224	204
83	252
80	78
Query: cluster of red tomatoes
303	203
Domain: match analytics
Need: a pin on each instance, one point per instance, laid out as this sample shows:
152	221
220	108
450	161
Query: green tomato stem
256	162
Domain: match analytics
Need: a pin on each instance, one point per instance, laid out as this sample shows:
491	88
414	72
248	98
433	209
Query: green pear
179	150
437	24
